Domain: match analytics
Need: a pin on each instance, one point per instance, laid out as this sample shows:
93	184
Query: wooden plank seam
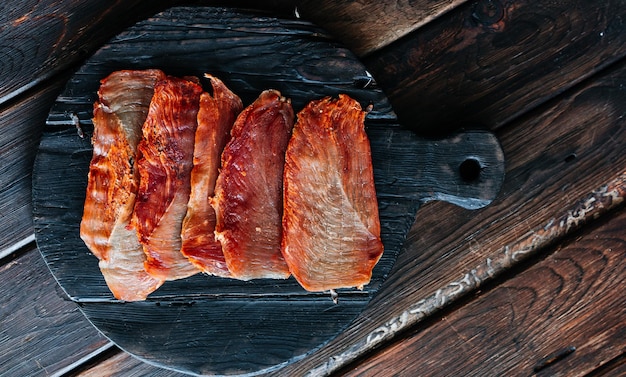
606	198
83	361
15	246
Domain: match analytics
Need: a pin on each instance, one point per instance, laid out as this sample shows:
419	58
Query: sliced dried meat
119	113
248	192
164	164
215	119
331	229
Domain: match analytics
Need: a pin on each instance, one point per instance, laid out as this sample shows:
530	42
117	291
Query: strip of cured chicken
331	229
164	164
118	115
248	193
215	119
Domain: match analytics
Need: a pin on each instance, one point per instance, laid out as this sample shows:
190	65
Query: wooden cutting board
215	326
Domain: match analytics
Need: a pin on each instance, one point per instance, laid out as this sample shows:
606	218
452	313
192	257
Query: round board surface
205	325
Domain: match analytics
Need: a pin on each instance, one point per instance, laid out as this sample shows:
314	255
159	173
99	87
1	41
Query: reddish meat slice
248	192
123	100
164	164
331	230
215	119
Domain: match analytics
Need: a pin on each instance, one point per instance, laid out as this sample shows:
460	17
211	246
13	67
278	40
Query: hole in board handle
470	170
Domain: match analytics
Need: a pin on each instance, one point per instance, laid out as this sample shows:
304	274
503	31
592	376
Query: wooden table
532	284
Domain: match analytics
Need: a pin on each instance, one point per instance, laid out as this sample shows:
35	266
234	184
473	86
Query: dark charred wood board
208	325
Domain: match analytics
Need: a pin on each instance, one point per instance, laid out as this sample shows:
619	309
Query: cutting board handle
466	169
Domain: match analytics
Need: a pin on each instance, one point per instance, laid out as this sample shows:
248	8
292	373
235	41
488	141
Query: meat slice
331	229
215	119
119	113
164	164
248	192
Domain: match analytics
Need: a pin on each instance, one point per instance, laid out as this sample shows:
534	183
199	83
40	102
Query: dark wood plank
21	125
123	364
486	64
454	213
42	332
616	367
46	37
360	26
564	316
560	159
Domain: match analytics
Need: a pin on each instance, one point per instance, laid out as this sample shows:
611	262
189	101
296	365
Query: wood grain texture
481	66
559	157
40	330
564	316
485	99
360	26
123	364
39	39
616	367
21	125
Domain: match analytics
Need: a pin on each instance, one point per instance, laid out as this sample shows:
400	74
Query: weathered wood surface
42	38
563	316
616	367
486	99
122	364
488	66
19	137
40	332
359	24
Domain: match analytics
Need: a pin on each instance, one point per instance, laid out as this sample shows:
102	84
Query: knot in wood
488	12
